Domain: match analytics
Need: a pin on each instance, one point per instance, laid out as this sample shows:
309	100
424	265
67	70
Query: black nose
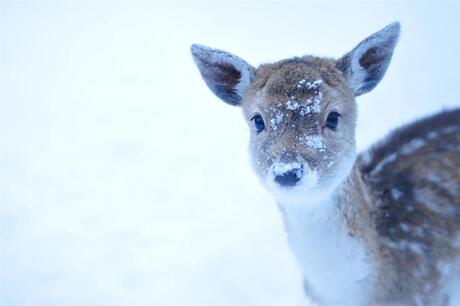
289	177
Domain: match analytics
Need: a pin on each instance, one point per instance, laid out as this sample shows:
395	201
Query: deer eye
258	123
332	120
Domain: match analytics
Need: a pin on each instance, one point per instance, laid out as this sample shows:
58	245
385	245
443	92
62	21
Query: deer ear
227	75
365	65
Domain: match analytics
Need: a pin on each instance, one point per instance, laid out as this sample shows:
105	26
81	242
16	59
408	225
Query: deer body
380	228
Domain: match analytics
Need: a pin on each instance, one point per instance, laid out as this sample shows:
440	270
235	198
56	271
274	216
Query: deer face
301	115
301	112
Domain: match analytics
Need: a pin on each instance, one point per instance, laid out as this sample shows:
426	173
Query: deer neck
327	238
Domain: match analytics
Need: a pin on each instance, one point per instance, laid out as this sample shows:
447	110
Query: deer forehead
299	89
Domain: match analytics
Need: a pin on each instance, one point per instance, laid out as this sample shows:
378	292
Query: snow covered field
124	181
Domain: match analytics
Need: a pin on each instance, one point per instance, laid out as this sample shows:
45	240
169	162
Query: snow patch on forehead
311	105
292	105
309	85
308	106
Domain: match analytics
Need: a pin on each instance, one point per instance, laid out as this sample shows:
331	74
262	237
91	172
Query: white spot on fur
432	135
450	129
311	105
390	158
310	85
404	227
412	146
409	208
426	197
404	245
395	193
449	184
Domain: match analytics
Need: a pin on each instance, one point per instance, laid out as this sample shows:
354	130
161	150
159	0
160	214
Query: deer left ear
366	64
227	75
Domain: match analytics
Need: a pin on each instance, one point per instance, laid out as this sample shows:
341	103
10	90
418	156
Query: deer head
301	111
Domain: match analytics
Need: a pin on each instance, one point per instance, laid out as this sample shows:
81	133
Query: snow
125	181
276	120
315	141
310	105
314	84
405	245
282	168
292	105
310	85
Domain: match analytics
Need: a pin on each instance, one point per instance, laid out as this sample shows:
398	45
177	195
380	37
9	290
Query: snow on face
309	85
276	118
308	106
292	105
282	168
315	141
308	180
293	129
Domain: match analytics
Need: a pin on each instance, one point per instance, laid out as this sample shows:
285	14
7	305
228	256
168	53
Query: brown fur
415	218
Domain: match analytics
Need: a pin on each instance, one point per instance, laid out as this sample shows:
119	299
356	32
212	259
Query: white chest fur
333	263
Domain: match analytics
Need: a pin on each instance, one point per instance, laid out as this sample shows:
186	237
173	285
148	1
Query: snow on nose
287	174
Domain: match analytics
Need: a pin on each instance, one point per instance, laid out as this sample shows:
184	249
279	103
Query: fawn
378	228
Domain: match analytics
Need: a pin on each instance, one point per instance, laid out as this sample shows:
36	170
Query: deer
381	227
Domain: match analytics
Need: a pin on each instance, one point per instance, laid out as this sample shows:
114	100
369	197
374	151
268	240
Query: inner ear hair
227	75
366	64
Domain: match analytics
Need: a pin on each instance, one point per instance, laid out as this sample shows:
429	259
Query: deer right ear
365	65
227	75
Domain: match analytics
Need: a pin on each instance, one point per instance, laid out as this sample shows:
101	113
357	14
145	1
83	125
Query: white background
124	181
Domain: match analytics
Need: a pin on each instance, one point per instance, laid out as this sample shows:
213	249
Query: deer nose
288	175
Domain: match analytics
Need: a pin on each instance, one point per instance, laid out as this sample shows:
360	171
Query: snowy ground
124	181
